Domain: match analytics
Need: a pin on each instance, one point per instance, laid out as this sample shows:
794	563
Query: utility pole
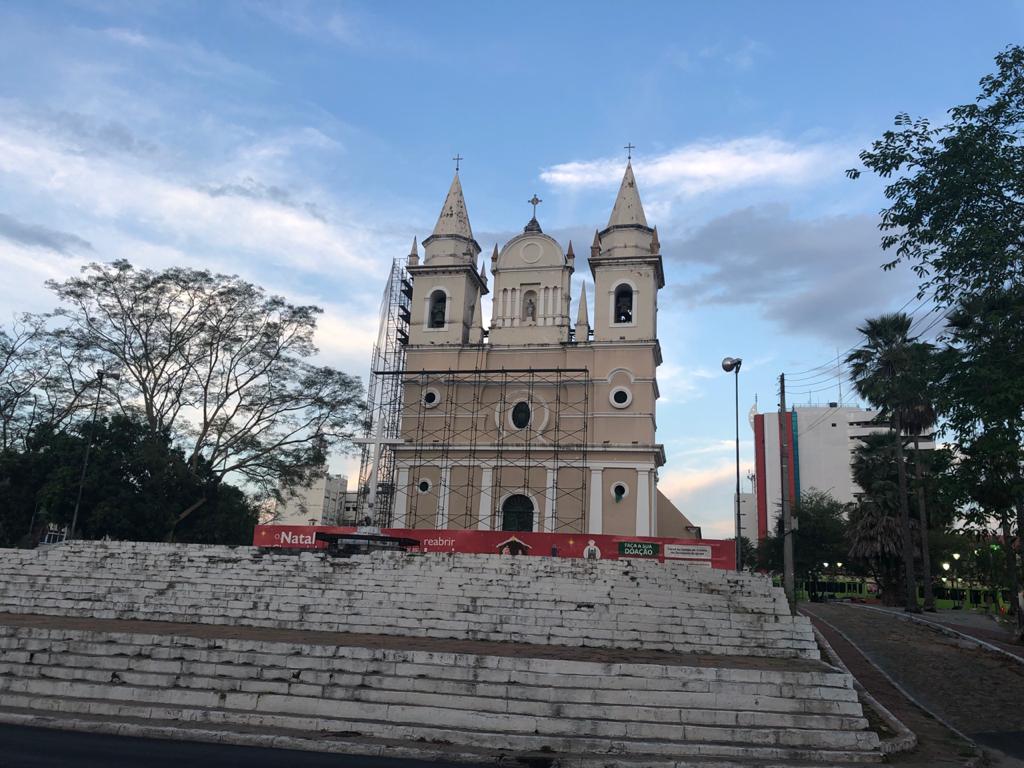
788	580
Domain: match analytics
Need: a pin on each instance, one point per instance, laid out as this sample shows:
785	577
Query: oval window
521	415
621	396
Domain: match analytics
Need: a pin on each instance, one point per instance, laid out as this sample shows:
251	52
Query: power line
826	370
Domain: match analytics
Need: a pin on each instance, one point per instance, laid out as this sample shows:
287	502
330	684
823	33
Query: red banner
706	552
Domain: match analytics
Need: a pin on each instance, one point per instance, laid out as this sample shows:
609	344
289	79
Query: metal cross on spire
629	151
534	201
458	159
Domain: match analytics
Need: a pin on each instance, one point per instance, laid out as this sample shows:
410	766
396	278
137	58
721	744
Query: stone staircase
238	645
615	603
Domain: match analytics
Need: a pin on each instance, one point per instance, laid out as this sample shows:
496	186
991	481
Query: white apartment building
821	442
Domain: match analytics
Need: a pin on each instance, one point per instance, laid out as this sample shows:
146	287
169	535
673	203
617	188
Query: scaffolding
384	398
467	446
463	441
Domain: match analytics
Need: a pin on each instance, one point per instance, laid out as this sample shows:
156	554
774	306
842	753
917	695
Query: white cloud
709	166
679	385
179	213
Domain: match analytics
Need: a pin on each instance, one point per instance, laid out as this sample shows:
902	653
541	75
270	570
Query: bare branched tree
221	365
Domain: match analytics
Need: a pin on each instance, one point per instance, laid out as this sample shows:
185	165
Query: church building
537	421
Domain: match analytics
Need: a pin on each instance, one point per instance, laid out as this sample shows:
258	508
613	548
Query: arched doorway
517	513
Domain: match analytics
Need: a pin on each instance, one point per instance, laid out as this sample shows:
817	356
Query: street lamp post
100	375
731	365
945	567
957	600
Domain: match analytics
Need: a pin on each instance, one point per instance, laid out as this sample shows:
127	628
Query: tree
216	364
879	370
820	538
956	199
956	212
135	485
39	384
919	418
875	534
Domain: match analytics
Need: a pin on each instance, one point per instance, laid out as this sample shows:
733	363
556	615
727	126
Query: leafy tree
956	199
217	365
956	212
820	537
880	370
134	487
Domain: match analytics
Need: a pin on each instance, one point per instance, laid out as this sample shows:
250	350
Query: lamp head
945	566
731	364
956	555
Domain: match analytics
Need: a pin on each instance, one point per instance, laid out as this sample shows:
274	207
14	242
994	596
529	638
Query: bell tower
625	260
447	286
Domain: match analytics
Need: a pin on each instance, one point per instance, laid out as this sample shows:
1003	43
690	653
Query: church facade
540	421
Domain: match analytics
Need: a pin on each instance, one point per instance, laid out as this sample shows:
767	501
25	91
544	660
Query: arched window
438	309
517	513
624	304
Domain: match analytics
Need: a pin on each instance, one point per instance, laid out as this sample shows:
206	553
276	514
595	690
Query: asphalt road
22	747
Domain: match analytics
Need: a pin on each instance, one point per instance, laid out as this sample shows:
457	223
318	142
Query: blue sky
302	145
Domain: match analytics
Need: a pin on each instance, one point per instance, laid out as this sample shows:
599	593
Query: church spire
628	211
454	218
582	318
414	253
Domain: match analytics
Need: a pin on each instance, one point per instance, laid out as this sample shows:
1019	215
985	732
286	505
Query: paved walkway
974	624
980	693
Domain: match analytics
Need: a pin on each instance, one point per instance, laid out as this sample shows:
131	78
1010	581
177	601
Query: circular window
619	491
431	398
620	397
521	414
423	486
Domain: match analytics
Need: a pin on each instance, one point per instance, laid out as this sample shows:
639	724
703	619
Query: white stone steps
720	707
393	748
461	737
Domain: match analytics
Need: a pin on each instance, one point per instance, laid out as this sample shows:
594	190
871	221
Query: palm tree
919	418
879	369
873	531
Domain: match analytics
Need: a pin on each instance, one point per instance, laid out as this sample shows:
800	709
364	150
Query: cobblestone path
979	692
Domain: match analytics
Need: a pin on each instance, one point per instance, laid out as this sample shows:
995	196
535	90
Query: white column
595	515
643	502
401	498
483	522
442	499
552	511
556	304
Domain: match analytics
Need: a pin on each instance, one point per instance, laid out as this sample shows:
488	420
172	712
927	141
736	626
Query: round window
521	414
620	397
423	486
620	491
431	398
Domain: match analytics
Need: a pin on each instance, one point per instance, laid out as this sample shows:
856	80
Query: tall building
822	439
323	502
539	421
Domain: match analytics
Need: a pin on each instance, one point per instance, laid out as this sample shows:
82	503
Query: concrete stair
472	707
616	603
560	662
